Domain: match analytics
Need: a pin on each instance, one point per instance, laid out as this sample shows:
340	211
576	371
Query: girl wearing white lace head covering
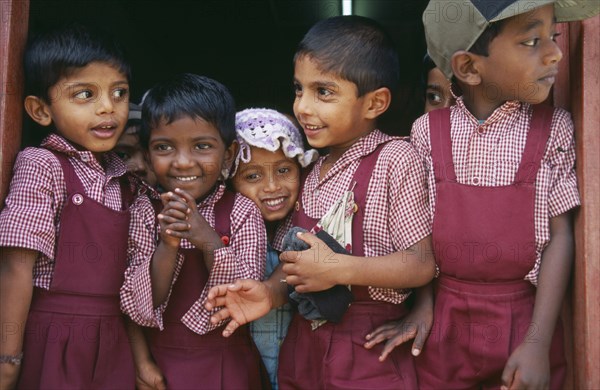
267	170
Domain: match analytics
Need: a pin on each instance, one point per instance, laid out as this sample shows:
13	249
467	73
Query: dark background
247	45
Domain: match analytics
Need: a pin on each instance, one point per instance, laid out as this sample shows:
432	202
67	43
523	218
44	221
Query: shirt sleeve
29	217
136	292
244	258
561	156
409	220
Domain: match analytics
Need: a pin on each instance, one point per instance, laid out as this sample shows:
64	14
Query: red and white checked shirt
243	258
31	215
489	155
396	210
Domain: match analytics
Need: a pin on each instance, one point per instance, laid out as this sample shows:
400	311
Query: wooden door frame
577	89
14	22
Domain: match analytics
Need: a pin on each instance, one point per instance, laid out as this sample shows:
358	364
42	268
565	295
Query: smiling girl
206	236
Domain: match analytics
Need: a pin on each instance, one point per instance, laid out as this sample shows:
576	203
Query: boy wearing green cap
502	183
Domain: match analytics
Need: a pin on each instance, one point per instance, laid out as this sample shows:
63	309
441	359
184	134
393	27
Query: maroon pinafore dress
75	336
484	243
333	356
210	361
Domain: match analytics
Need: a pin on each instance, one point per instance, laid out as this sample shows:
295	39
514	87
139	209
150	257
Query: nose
554	54
303	105
183	160
105	104
272	184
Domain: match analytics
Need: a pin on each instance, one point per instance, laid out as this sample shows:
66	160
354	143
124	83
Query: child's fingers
419	342
310	239
220	315
217	301
290	256
177	226
175	213
167	220
189	199
177	204
216	295
230	328
380	334
508	375
171	196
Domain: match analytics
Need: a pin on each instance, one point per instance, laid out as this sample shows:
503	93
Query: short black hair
427	66
53	54
355	48
482	44
188	95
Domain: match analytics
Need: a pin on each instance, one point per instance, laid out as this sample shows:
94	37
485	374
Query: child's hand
200	233
315	269
528	367
243	301
416	324
149	377
173	219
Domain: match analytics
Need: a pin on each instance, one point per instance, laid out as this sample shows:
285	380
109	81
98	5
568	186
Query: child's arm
145	259
16	289
246	300
416	324
319	268
148	375
243	258
173	220
528	367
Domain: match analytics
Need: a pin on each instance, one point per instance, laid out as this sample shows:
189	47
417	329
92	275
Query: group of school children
186	273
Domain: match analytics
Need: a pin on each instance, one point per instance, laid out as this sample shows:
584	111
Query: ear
466	67
38	110
230	154
378	101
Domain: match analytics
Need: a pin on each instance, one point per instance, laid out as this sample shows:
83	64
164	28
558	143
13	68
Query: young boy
345	70
65	226
502	183
129	149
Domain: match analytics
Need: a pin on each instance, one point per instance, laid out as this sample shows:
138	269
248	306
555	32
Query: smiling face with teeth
329	109
271	180
189	154
88	107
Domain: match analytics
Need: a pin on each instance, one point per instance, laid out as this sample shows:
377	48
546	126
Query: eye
433	98
324	92
83	95
252	177
120	93
123	155
202	146
297	89
283	170
531	42
162	147
555	35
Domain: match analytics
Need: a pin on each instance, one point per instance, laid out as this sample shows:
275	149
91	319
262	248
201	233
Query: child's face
523	59
437	94
327	107
189	154
271	180
129	149
89	107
